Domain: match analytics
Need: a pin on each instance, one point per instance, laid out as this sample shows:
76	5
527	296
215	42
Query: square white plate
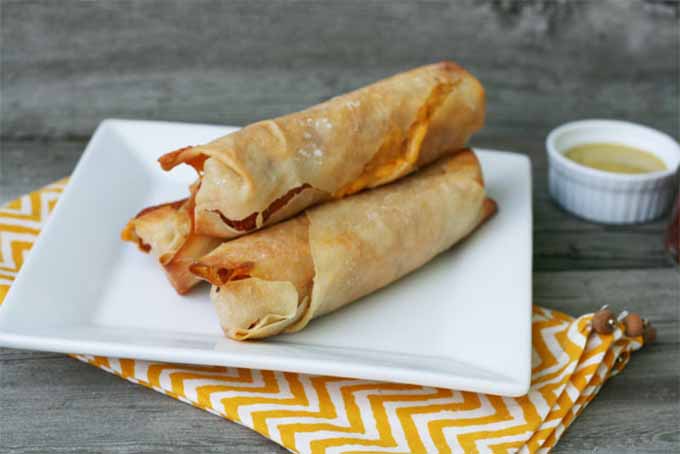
463	321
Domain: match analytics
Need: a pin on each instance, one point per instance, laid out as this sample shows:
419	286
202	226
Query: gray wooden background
65	66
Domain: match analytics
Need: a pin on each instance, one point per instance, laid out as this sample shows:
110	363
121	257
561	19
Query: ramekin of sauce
612	172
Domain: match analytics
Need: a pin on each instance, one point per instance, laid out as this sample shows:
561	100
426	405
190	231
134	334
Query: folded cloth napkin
316	414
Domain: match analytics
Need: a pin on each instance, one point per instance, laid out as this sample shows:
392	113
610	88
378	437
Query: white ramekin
606	197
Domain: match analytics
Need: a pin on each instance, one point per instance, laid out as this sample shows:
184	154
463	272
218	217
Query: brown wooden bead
604	321
650	334
634	324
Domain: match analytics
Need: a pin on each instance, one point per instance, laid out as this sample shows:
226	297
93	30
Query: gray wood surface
65	68
231	62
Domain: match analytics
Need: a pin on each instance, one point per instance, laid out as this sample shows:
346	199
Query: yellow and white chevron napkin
316	414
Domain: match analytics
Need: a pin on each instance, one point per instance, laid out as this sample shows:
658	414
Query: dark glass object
673	233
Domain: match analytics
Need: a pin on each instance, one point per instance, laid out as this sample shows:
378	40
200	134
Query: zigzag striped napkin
315	414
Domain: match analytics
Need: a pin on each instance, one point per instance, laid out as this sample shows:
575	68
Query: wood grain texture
62	405
64	69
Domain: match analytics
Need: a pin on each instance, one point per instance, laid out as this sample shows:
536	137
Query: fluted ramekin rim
596	174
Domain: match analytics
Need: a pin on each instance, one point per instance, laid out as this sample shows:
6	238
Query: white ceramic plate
463	321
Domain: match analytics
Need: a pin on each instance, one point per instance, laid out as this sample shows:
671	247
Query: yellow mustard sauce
614	157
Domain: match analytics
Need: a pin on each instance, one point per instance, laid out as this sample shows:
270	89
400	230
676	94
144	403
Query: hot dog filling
278	253
250	222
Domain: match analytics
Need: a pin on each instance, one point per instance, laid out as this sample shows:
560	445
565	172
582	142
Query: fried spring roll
280	278
271	170
166	231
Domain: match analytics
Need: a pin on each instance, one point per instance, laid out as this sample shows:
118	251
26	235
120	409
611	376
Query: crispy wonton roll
278	279
167	232
271	170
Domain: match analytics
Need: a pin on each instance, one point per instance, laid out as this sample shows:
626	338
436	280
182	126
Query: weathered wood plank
62	405
8	355
615	424
655	293
57	404
28	165
543	63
